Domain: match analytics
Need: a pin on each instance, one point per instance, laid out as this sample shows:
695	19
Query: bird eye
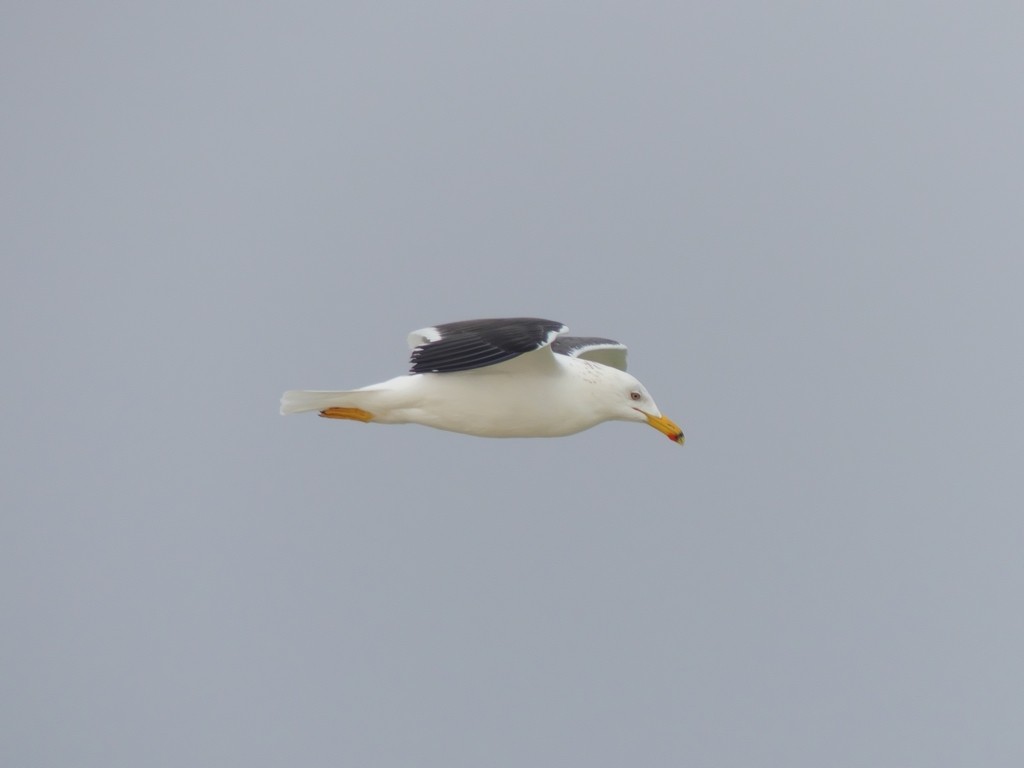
634	395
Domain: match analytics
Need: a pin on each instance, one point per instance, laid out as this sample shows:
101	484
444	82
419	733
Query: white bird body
535	393
501	400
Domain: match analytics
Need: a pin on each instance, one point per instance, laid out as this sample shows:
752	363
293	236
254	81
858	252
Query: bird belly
496	405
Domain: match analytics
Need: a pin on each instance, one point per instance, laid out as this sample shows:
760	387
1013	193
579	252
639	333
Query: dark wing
469	344
604	351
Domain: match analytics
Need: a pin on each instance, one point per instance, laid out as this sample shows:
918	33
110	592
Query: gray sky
805	222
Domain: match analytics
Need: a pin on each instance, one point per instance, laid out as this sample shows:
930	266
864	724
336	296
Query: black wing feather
469	344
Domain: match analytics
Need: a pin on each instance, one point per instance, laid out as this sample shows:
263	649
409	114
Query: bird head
630	401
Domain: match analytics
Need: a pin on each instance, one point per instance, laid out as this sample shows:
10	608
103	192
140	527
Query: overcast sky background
805	222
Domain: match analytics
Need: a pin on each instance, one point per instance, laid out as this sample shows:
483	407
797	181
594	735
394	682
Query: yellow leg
347	413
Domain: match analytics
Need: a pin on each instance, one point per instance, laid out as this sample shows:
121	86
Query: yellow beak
666	426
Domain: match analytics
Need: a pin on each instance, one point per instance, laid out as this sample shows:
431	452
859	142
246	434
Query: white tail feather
301	400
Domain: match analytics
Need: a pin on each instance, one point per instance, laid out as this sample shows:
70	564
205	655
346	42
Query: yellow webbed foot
358	414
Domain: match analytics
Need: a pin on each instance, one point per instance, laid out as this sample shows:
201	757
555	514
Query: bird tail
301	400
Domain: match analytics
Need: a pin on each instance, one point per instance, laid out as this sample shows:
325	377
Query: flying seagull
501	377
